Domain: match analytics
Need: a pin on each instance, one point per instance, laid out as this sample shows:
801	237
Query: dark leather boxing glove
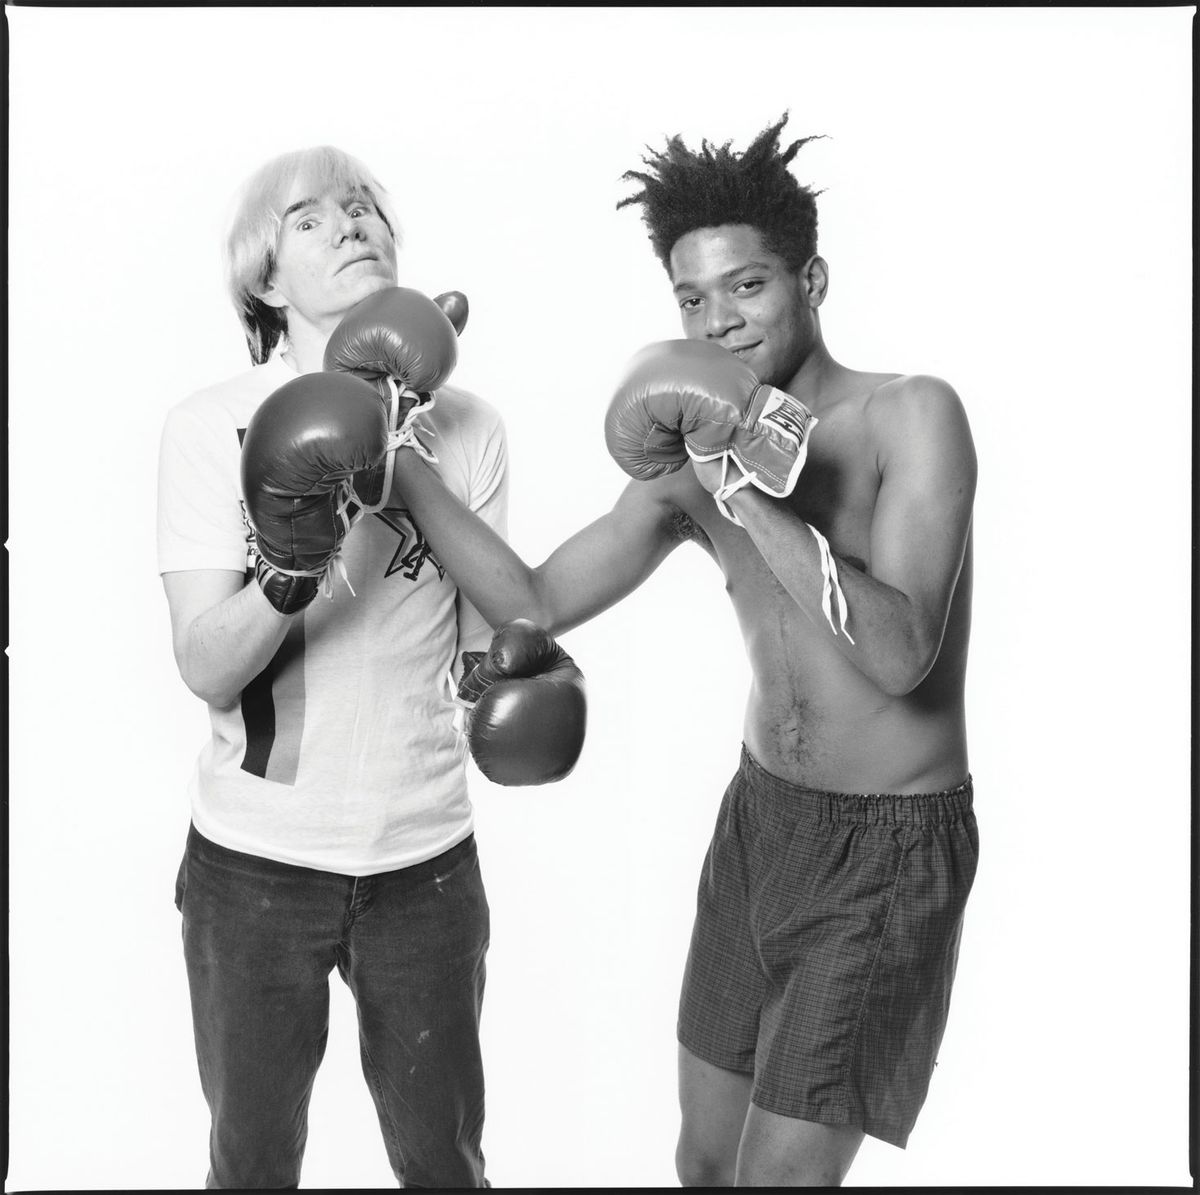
529	716
302	446
397	333
406	346
454	304
689	398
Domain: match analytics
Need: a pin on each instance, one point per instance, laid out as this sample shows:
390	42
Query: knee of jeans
257	1149
253	1169
253	1173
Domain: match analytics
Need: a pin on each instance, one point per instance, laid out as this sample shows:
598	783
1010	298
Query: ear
271	295
814	278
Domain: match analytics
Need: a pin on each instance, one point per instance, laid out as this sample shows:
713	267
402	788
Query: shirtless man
831	900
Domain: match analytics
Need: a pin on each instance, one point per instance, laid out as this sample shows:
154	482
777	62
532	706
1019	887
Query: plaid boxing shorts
825	944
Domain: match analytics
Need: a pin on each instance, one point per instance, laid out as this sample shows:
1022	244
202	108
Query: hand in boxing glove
302	446
406	346
690	398
529	716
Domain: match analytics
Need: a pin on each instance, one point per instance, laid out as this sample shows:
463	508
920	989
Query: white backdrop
1007	205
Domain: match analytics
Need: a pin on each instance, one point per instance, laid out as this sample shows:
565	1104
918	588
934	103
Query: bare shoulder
914	395
910	411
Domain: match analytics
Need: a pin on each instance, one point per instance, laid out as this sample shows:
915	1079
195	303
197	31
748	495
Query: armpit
684	527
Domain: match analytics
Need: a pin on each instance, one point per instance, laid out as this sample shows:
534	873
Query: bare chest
836	493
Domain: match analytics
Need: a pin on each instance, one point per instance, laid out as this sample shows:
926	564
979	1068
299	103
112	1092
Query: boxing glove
397	333
302	445
689	398
406	346
527	711
454	304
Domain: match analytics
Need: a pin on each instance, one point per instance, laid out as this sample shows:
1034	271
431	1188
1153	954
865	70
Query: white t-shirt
344	753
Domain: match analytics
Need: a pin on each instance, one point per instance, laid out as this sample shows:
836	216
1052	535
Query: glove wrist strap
335	565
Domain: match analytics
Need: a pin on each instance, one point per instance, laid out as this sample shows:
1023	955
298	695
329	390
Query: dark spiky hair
684	190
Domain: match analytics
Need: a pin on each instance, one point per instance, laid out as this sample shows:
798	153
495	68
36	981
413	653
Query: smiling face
334	249
734	292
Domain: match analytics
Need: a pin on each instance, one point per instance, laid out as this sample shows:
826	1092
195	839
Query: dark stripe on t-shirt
273	712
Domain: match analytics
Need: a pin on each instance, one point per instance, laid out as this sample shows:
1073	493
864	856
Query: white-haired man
331	825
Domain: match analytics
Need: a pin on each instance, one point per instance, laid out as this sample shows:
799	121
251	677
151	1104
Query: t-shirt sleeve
489	481
201	519
488	498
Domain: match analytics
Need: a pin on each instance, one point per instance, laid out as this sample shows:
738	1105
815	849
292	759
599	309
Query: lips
740	350
355	260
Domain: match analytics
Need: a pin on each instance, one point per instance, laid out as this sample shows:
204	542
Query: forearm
222	649
886	637
583	576
494	578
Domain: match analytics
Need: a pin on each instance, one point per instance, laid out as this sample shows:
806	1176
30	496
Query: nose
719	317
347	228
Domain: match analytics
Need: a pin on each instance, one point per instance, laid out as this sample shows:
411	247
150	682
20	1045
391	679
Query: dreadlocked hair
684	190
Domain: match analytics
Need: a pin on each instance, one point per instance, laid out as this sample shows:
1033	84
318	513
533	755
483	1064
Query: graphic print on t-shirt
273	704
409	558
251	549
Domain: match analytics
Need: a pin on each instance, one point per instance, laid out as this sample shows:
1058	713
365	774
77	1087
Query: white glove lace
727	488
335	566
404	436
830	584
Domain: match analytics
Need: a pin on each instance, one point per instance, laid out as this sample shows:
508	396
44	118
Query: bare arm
610	557
588	573
224	631
898	608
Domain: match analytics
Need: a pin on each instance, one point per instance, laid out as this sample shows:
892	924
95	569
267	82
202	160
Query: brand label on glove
787	415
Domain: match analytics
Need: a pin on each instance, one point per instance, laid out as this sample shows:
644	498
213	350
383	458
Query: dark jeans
261	938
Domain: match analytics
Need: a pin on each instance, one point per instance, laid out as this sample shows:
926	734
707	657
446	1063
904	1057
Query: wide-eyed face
333	250
734	292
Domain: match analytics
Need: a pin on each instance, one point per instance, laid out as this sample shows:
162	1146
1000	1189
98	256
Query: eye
359	210
749	286
305	225
690	304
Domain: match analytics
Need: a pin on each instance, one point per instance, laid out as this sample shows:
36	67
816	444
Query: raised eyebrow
300	204
358	197
312	201
725	277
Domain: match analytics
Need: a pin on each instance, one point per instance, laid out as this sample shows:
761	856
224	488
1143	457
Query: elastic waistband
898	809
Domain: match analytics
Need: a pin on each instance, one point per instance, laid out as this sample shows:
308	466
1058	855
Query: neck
305	351
812	382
